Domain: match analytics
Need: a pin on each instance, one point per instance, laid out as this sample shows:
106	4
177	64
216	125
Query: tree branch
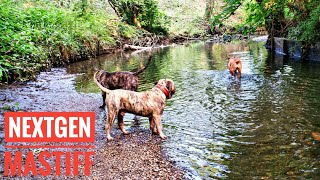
114	7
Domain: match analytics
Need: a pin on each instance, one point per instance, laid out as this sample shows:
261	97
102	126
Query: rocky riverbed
135	156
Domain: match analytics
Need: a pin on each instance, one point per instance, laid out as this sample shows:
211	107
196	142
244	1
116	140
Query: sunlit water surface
221	127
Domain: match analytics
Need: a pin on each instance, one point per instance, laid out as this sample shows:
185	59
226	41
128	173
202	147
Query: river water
221	127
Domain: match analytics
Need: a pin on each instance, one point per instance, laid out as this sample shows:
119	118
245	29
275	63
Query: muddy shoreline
138	155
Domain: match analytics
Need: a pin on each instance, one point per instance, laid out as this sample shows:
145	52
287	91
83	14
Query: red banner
49	126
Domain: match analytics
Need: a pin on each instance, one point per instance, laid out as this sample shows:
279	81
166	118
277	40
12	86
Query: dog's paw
155	132
110	138
163	136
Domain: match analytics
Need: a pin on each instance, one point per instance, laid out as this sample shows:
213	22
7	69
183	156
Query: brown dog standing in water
119	80
148	104
235	66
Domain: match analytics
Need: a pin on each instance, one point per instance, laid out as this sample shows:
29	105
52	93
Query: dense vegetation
37	34
294	19
142	13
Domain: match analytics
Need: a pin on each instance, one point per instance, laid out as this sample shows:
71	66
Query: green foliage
127	31
228	9
35	35
197	27
152	19
146	12
254	17
290	19
307	29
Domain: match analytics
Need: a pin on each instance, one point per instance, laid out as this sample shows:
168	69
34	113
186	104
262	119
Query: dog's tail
100	86
141	70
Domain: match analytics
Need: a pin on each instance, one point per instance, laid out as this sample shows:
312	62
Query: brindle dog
235	66
148	104
119	80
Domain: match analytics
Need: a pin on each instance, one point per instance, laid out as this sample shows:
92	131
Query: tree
141	13
281	18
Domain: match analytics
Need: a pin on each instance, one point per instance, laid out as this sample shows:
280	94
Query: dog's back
119	80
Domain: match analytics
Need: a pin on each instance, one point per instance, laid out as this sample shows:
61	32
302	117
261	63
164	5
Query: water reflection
220	127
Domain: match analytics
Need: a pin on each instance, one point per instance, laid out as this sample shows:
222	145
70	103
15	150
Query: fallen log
132	47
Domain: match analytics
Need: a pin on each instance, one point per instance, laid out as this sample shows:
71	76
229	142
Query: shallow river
220	127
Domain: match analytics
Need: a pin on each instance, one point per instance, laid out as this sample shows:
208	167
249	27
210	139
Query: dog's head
169	84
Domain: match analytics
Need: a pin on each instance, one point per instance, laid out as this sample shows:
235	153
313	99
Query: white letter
25	127
48	119
37	127
14	126
72	127
84	126
58	128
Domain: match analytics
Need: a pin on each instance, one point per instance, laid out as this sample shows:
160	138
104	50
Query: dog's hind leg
157	120
111	117
121	124
152	126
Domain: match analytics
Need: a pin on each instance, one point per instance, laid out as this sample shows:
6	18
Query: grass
35	36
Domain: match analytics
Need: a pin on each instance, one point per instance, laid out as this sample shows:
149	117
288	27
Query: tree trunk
135	17
209	10
275	26
113	5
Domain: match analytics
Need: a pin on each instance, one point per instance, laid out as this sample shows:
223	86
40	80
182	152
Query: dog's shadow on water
247	82
233	84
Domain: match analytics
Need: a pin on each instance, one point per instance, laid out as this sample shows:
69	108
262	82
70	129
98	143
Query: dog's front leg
111	117
121	124
157	120
152	126
232	73
239	73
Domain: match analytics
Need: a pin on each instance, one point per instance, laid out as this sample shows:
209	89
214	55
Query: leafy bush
307	29
152	19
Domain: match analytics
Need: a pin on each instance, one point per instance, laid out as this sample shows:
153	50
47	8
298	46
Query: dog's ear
155	83
171	88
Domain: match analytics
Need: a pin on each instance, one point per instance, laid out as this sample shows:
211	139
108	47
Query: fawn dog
235	66
148	104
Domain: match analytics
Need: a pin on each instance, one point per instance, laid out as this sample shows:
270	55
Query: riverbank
37	36
135	156
43	35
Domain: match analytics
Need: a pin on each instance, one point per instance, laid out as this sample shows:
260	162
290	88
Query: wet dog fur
235	67
148	104
119	80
